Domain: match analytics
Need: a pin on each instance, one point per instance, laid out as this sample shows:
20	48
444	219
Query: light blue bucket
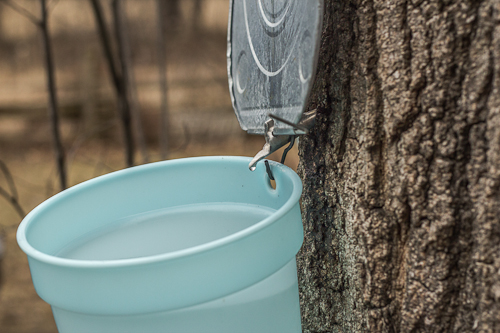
190	245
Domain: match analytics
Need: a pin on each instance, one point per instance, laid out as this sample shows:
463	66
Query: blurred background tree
195	95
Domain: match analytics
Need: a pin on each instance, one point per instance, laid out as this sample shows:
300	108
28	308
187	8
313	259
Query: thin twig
49	188
51	86
21	10
197	11
162	68
53	104
125	55
12	197
51	5
100	165
122	94
9	179
118	79
13	201
106	43
80	140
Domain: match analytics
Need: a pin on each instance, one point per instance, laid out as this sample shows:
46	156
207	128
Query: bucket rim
54	260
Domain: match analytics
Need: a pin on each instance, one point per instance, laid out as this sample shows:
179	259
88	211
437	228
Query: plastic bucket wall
223	275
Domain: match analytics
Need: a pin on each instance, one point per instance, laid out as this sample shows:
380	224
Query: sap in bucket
190	245
200	244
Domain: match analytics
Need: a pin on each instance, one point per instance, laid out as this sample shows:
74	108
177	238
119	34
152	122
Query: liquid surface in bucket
164	231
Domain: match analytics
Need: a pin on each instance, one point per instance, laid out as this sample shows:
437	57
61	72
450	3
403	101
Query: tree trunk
171	13
401	173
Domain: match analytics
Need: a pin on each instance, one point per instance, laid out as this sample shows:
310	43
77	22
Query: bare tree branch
80	140
13	201
53	104
9	179
51	86
118	80
125	56
197	11
123	95
51	5
162	68
21	10
12	197
106	43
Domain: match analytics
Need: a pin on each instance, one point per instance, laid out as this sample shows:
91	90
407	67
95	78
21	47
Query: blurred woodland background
134	81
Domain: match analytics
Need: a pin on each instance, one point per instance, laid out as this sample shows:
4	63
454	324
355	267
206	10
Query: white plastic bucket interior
172	280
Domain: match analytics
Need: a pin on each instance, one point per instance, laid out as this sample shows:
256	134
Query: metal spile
272	56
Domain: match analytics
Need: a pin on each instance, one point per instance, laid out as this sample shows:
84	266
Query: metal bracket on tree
272	55
275	142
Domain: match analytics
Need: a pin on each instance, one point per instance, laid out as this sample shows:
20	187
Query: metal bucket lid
272	55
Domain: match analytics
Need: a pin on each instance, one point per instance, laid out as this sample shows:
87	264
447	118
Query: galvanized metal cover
272	56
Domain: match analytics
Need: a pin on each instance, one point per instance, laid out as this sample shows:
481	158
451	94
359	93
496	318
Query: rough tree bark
401	173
